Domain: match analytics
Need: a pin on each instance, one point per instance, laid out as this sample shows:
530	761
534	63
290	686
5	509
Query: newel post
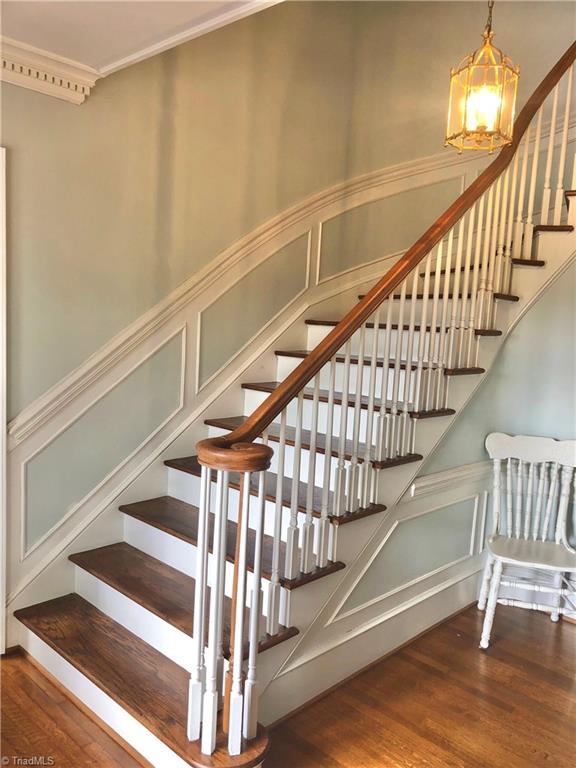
209	687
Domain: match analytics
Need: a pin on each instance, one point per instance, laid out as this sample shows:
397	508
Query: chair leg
485	583
491	607
555	615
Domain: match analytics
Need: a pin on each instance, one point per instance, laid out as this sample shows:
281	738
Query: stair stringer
327	651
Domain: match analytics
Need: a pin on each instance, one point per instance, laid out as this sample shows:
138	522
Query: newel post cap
217	453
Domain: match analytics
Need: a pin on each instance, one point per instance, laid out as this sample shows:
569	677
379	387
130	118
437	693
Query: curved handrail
215	452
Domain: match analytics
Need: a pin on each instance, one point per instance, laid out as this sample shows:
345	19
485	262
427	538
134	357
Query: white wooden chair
530	518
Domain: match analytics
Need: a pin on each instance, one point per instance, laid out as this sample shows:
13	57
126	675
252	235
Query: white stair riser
316	333
287	364
187	488
178	554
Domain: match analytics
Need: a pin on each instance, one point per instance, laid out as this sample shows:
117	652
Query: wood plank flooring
39	720
437	703
441	703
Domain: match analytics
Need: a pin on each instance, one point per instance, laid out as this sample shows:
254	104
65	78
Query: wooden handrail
216	452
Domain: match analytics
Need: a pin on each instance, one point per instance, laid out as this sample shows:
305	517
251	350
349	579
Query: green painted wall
114	203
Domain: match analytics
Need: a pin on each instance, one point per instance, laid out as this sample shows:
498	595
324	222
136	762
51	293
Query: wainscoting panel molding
293	236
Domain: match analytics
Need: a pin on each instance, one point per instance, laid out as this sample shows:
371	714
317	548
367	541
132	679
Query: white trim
448	478
338	615
45	72
300	218
200	385
3	412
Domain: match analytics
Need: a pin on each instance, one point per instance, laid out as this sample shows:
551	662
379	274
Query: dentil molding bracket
45	72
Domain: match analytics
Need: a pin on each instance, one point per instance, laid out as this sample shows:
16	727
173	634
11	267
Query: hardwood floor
437	703
39	720
442	703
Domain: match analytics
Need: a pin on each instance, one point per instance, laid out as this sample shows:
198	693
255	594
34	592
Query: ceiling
107	35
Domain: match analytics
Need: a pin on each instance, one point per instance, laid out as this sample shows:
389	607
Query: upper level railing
381	369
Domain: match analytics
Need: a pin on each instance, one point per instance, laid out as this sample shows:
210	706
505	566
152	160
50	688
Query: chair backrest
534	486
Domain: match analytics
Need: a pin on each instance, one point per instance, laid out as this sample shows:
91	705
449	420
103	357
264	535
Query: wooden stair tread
161	589
191	465
151	687
553	228
354	360
180	519
528	262
472	371
405	327
270	386
506	297
233	422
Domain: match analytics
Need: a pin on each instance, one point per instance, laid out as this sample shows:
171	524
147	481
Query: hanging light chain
488	28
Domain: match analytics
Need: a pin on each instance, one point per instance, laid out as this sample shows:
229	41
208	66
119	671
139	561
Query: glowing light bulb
482	108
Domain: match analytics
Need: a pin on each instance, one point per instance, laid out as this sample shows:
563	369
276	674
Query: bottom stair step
147	685
160	589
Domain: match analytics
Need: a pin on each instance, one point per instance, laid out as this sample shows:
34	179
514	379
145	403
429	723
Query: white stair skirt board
125	725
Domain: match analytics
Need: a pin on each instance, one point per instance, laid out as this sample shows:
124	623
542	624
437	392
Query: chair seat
542	554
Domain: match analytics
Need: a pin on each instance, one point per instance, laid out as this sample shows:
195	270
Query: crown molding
51	74
45	72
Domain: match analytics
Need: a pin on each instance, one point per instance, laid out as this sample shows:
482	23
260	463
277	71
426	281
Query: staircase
174	634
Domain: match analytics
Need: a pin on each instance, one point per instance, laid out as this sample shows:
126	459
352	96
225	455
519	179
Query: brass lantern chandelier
482	97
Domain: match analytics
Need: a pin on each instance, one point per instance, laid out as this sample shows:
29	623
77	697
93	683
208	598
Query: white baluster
274	589
457	300
475	282
436	335
352	492
485	260
466	289
563	147
505	284
340	481
529	227
250	723
307	553
212	688
440	388
409	379
519	223
236	693
382	438
324	524
397	374
366	470
197	675
291	564
423	347
549	160
501	243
